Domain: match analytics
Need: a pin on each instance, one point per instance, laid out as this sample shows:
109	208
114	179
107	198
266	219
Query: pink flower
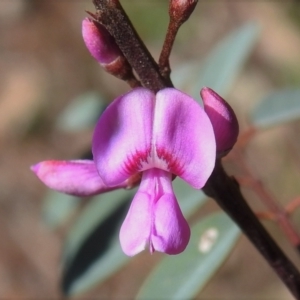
157	135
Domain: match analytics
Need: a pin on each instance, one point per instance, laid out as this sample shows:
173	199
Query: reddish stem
270	202
164	64
292	206
267	215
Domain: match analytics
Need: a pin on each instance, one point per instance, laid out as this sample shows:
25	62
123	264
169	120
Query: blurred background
44	66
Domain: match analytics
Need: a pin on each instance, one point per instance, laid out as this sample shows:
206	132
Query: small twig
245	138
179	12
292	206
266	215
294	150
270	202
164	64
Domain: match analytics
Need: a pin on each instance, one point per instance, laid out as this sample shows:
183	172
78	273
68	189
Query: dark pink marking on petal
174	166
134	163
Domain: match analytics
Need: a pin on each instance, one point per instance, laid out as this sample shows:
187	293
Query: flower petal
223	119
136	228
183	137
154	218
122	137
77	177
171	232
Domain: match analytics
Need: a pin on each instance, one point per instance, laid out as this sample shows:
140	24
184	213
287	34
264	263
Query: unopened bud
104	49
99	42
223	120
180	10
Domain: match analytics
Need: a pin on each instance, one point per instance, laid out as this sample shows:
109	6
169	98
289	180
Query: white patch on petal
153	161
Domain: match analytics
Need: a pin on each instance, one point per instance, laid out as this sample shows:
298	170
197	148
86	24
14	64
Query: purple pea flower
157	136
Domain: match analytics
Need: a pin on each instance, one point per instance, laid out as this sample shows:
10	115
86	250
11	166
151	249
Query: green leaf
96	212
92	251
220	69
81	113
109	263
279	107
183	276
57	208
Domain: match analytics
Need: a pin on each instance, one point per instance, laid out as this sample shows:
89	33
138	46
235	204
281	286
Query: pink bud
180	10
223	119
99	42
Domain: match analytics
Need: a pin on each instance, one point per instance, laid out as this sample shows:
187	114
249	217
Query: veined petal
122	137
183	137
154	218
77	177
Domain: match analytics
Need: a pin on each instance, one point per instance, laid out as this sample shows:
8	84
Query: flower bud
99	42
223	120
104	49
180	10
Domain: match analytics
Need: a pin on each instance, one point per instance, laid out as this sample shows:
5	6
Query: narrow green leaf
109	263
98	257
183	276
279	107
81	113
92	251
96	212
220	69
57	208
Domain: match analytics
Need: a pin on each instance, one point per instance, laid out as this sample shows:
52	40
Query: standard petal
223	119
78	177
183	137
171	232
136	228
122	137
